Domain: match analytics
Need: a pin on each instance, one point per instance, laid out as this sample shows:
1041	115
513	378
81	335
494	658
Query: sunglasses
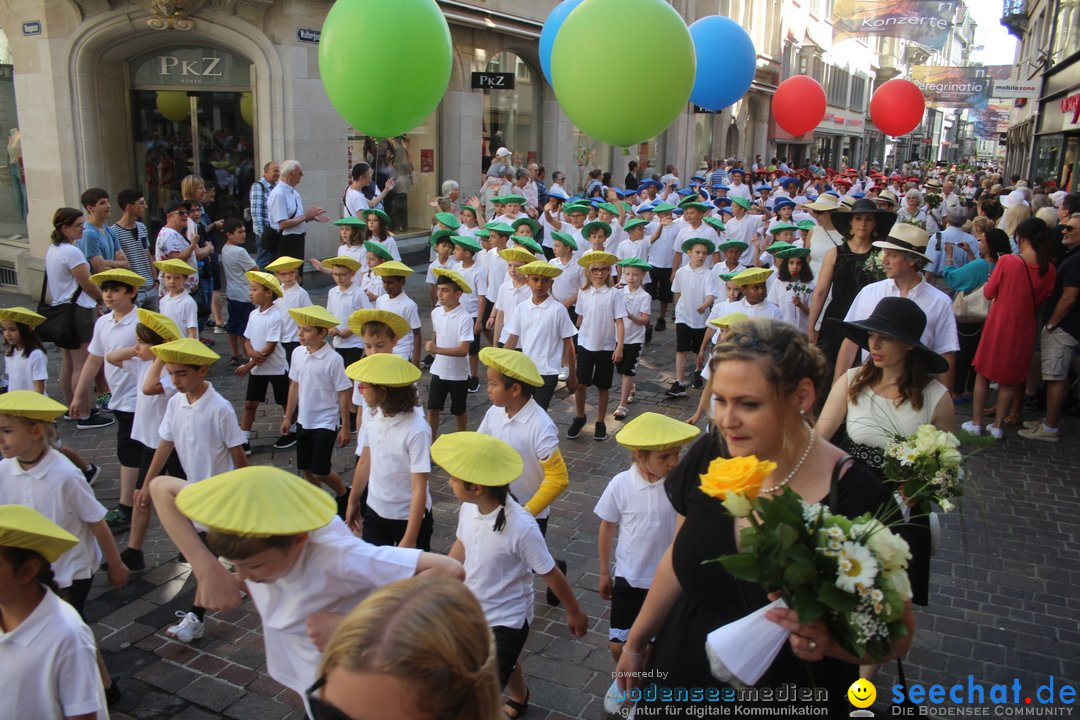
320	709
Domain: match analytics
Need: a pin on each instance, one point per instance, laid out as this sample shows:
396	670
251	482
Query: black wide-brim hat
901	319
841	219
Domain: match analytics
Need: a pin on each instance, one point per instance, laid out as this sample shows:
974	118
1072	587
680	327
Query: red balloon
897	107
799	104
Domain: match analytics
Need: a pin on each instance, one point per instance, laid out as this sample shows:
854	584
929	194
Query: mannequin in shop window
15	164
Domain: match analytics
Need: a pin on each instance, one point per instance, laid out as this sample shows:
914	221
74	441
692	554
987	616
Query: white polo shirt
334	572
404	306
371	284
149	409
692	285
496	273
284	203
182	310
202	433
343	304
646	523
22	371
633	248
940	334
600	309
532	433
635	303
499	566
319	377
662	250
541	330
50	665
747	230
400	446
264	327
112	334
451	329
451	264
763	309
294	297
702	231
509	298
568	284
56	489
476	277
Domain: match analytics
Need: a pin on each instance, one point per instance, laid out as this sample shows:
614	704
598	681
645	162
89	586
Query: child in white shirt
266	365
452	334
600	309
638	308
695	290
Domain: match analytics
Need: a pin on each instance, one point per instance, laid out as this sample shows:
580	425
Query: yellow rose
742	475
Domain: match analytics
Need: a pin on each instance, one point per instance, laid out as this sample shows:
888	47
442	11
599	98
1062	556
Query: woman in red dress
1017	286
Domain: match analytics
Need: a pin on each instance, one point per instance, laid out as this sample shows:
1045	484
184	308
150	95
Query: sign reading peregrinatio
958	86
923	21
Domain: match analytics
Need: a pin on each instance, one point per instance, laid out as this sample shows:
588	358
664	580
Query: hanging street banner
927	22
991	120
958	86
1012	89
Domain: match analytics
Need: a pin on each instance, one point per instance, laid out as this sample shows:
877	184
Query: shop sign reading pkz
492	81
189	70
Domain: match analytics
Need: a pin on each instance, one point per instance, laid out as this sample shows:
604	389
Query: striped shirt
135	242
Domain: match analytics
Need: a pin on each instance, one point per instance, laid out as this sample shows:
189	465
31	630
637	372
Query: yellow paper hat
393	268
653	431
397	324
540	267
176	266
257	501
343	260
752	276
513	364
597	257
267	280
163	325
516	254
458	280
186	351
284	263
26	528
728	320
30	404
477	458
314	316
21	315
384	369
120	275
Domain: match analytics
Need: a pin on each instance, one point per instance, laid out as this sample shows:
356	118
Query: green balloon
623	108
385	64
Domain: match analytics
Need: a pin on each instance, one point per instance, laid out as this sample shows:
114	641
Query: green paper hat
663	207
594	225
526	242
379	213
778	246
567	240
741	202
450	220
635	223
691	242
730	244
470	208
351	220
805	225
695	204
516	199
575	208
635	262
440	234
526	221
378	250
793	252
715	223
499	227
482	232
466	242
780	227
609	207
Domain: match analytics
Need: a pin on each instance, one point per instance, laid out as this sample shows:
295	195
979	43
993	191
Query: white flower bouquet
926	467
849	573
873	267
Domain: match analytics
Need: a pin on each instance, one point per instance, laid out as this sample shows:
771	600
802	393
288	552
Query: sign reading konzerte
958	86
923	21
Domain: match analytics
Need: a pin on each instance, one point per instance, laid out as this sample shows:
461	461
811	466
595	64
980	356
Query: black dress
712	597
849	277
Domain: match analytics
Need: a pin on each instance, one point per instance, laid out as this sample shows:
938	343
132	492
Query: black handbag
59	325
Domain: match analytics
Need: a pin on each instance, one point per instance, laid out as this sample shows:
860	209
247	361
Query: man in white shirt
286	214
904	258
744	227
738	187
556	189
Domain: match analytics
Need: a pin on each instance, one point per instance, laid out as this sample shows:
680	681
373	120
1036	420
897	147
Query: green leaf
837	599
786	536
800	572
808	607
741	565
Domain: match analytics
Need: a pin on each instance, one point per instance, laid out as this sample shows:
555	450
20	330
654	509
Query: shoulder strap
44	284
838	469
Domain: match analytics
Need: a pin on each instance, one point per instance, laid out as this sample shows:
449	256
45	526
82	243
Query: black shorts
474	346
626	602
508	645
172	466
76	594
128	451
543	394
659	286
289	347
630	355
595	367
688	339
238	317
381	531
256	388
458	390
85	319
315	450
350	354
489	306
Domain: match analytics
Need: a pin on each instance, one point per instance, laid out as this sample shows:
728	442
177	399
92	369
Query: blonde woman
1016	212
419	648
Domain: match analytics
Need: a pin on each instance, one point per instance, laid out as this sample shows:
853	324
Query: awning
459	13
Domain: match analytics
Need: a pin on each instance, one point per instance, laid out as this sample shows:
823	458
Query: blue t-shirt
98	243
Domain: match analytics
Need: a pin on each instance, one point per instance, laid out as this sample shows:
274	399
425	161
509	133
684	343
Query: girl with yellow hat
48	652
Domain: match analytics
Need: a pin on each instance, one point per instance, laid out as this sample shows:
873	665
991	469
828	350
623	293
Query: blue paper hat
558	195
785	181
647	207
722	202
685	191
727	209
781	202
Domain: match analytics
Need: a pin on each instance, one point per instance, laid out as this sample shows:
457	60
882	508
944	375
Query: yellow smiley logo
862	693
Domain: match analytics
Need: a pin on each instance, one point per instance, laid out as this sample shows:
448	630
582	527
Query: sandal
620	412
992	410
519	708
631	398
1010	420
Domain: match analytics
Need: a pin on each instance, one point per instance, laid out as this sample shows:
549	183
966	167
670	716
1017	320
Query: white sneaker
564	373
190	627
616	703
971	427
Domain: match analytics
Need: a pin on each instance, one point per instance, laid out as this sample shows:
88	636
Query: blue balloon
551	29
726	61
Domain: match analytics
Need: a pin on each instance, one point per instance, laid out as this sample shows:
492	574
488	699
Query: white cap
502	152
1016	197
1057	197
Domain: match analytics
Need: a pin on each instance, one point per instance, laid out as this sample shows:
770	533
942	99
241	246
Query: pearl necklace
798	465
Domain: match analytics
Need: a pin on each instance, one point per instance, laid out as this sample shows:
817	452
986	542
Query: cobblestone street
1003	593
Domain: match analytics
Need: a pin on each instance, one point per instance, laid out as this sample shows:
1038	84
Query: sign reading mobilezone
923	21
1012	89
968	86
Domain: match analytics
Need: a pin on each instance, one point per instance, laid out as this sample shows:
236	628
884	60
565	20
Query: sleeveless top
849	277
873	421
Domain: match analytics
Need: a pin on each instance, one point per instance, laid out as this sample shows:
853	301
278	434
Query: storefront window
511	116
1066	30
1047	157
13	201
